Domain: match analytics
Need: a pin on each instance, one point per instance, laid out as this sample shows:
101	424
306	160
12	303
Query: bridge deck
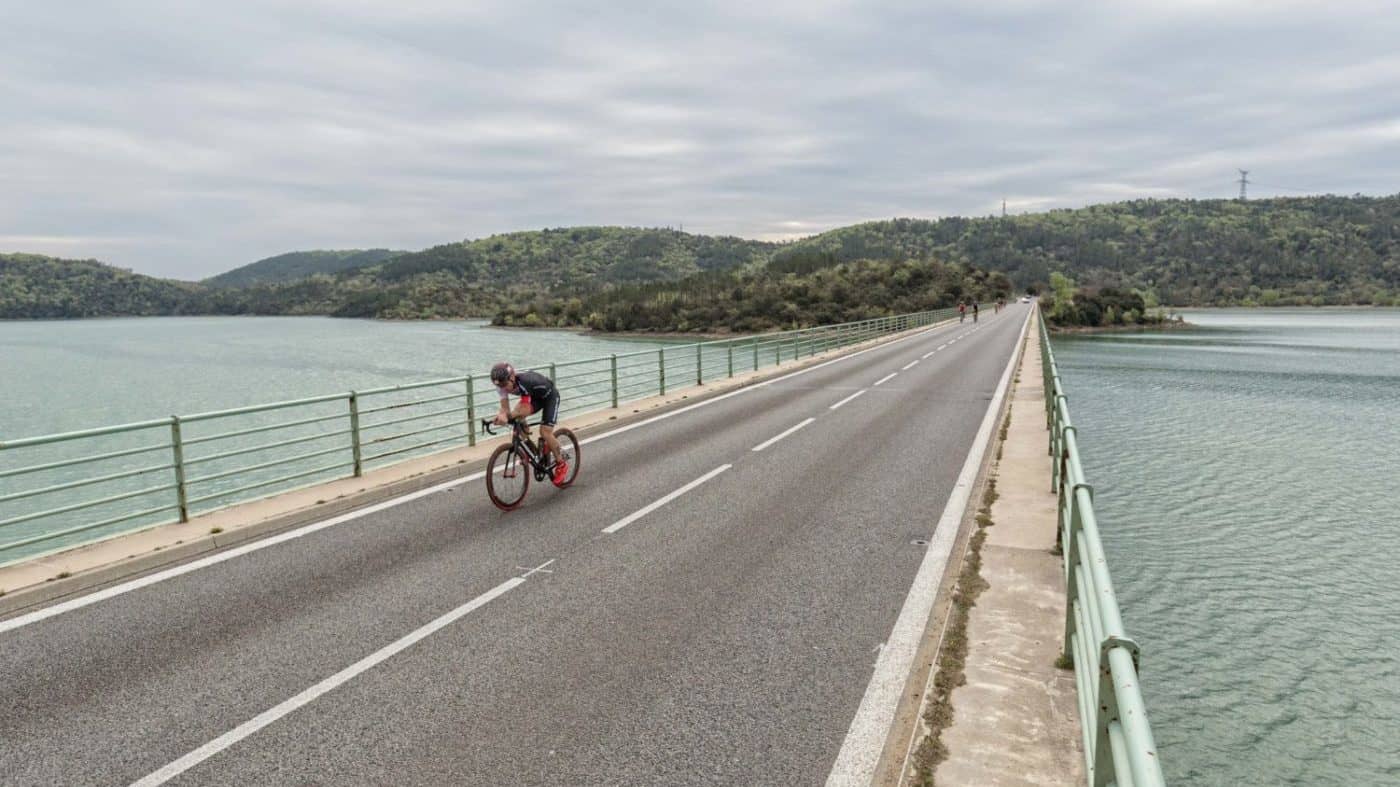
726	636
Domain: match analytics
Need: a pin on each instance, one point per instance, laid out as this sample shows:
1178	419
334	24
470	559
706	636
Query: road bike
509	469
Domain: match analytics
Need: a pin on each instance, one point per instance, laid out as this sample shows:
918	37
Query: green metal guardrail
1118	744
152	472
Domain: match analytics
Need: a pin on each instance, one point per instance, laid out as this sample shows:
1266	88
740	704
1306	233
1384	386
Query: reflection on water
1245	477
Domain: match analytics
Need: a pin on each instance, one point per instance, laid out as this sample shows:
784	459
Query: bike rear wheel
507	477
568	446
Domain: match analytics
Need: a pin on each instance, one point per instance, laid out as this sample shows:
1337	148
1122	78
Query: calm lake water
1246	481
64	376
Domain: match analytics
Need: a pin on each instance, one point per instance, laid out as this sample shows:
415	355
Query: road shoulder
995	708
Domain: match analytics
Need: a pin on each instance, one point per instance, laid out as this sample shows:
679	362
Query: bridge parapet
1118	744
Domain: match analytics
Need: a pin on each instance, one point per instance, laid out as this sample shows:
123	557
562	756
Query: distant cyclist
975	311
538	394
962	311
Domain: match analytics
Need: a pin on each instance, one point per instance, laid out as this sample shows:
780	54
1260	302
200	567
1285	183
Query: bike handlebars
487	423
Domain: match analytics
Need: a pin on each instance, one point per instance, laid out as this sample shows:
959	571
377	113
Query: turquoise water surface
60	376
1246	479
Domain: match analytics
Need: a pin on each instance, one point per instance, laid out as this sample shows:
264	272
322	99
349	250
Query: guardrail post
661	368
471	411
1106	713
699	355
731	358
551	375
177	448
614	380
355	433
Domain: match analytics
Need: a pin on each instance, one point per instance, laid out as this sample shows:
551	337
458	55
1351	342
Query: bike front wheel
568	446
507	477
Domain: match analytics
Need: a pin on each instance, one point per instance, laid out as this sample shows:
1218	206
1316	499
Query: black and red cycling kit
537	391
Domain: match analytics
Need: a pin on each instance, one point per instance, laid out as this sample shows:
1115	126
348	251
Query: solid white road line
161	576
941	346
848	398
865	739
910	365
633	517
778	437
887	378
309	695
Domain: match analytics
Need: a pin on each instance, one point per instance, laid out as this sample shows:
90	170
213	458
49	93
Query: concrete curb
897	759
868	738
26	598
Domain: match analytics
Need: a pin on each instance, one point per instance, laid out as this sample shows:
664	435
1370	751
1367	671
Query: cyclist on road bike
538	394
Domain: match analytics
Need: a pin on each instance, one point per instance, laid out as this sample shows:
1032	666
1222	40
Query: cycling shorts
548	409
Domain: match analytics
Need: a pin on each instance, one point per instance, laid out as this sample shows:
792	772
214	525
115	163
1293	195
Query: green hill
477	278
33	286
299	265
761	300
1309	250
1294	251
579	257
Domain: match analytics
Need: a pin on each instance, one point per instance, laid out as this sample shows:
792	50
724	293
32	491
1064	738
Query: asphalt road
724	637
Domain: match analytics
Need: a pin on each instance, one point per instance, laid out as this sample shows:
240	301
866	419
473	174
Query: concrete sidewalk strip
58	575
876	721
1015	721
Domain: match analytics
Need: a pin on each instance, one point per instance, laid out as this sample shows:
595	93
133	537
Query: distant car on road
1025	299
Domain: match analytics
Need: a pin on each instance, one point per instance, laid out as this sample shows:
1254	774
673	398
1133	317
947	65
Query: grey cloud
188	140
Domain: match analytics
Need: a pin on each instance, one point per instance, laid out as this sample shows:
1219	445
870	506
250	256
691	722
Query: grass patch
63	575
1064	662
952	658
214	531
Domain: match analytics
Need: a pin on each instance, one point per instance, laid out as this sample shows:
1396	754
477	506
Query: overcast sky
184	139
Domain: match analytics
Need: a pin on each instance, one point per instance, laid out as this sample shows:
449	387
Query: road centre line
309	695
781	435
633	517
910	365
887	377
941	346
753	387
859	756
171	573
848	398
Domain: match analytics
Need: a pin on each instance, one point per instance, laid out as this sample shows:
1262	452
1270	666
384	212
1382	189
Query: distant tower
1003	209
1244	181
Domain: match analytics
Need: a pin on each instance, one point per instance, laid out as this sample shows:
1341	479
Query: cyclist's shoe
561	472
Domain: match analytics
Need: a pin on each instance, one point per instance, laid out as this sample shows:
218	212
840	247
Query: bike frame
520	441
